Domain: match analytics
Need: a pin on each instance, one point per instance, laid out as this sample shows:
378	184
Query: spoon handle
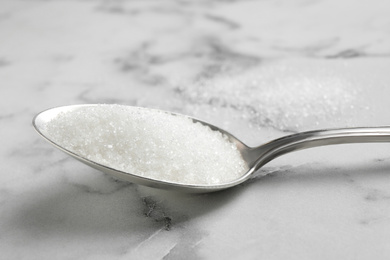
265	153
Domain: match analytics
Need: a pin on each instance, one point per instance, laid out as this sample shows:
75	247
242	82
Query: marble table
260	69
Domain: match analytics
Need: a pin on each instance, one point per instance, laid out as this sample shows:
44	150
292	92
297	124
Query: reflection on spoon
171	151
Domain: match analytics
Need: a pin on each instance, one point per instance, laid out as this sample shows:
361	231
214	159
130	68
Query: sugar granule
148	143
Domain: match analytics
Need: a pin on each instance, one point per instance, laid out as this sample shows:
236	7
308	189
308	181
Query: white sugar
148	143
290	96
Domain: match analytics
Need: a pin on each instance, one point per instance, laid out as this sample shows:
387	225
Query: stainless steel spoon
255	157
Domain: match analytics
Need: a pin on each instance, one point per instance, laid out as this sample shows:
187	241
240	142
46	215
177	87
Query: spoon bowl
254	157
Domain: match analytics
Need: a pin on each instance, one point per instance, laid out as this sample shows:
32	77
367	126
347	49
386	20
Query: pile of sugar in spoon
148	143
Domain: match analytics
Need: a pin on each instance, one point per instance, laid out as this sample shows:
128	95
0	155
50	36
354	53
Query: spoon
254	157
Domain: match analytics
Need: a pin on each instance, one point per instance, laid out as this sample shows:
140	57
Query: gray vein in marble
216	56
156	212
379	160
142	56
88	188
372	221
222	59
328	49
375	195
310	50
7	116
86	96
224	21
370	194
139	63
354	53
114	7
346	54
123	8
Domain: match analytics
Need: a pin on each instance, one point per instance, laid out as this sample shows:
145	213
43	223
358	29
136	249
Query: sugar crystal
148	143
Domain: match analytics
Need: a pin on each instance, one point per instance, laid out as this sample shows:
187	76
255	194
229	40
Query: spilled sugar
148	143
288	96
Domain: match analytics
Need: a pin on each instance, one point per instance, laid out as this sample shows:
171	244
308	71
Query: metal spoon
255	157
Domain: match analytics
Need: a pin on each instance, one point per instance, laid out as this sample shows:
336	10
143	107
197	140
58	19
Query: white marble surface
260	69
